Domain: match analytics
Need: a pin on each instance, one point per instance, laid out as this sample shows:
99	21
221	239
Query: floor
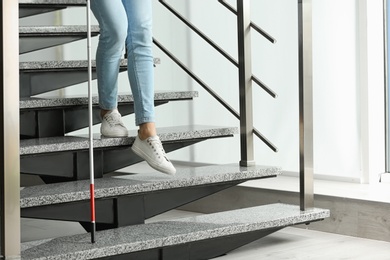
289	243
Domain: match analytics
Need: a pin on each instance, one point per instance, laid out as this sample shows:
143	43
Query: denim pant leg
140	58
112	20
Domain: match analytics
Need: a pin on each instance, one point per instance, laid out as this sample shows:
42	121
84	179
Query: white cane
90	124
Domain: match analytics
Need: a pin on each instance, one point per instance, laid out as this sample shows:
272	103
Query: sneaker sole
115	136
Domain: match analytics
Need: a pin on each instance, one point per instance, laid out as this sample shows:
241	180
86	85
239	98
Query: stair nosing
36	103
40	66
57	30
53	2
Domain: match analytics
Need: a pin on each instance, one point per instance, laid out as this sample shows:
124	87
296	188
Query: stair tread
81	142
52	2
57	193
59	65
56	30
168	233
34	103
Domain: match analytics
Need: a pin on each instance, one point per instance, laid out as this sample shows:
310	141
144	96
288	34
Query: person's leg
147	144
112	20
140	63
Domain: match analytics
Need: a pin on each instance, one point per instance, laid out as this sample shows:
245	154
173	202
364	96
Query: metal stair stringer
43	76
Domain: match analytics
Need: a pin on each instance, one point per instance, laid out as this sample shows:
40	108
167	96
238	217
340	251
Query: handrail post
9	131
305	104
245	82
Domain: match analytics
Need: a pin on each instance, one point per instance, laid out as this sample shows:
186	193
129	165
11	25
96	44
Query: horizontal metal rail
211	92
215	46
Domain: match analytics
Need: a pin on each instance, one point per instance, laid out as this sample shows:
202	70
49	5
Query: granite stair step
67	156
130	198
200	237
33	38
34	7
50	117
37	77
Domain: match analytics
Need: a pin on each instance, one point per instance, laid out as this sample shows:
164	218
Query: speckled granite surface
68	143
138	183
49	30
59	65
168	233
33	103
53	2
41	66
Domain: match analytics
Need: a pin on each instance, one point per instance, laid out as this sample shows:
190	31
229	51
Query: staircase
123	202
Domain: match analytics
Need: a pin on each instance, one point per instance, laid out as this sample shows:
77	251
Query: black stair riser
59	121
39	82
26	10
126	210
74	165
30	9
34	43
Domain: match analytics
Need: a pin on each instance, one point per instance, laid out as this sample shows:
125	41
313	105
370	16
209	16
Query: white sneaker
112	125
152	151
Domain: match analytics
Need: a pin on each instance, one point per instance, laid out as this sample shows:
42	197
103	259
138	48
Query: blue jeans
125	23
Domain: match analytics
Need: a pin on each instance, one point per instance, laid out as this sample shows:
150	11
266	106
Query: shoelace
114	119
157	146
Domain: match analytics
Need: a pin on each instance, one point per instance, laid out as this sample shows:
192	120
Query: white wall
336	89
348	78
372	85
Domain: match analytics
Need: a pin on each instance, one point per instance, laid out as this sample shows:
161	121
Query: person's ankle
103	112
147	130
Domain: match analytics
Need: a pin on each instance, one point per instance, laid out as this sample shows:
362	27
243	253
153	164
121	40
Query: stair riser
42	78
26	11
31	8
59	121
30	44
125	210
74	164
39	82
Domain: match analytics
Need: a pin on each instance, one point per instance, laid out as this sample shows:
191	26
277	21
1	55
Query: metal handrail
211	92
245	79
252	24
204	85
216	46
